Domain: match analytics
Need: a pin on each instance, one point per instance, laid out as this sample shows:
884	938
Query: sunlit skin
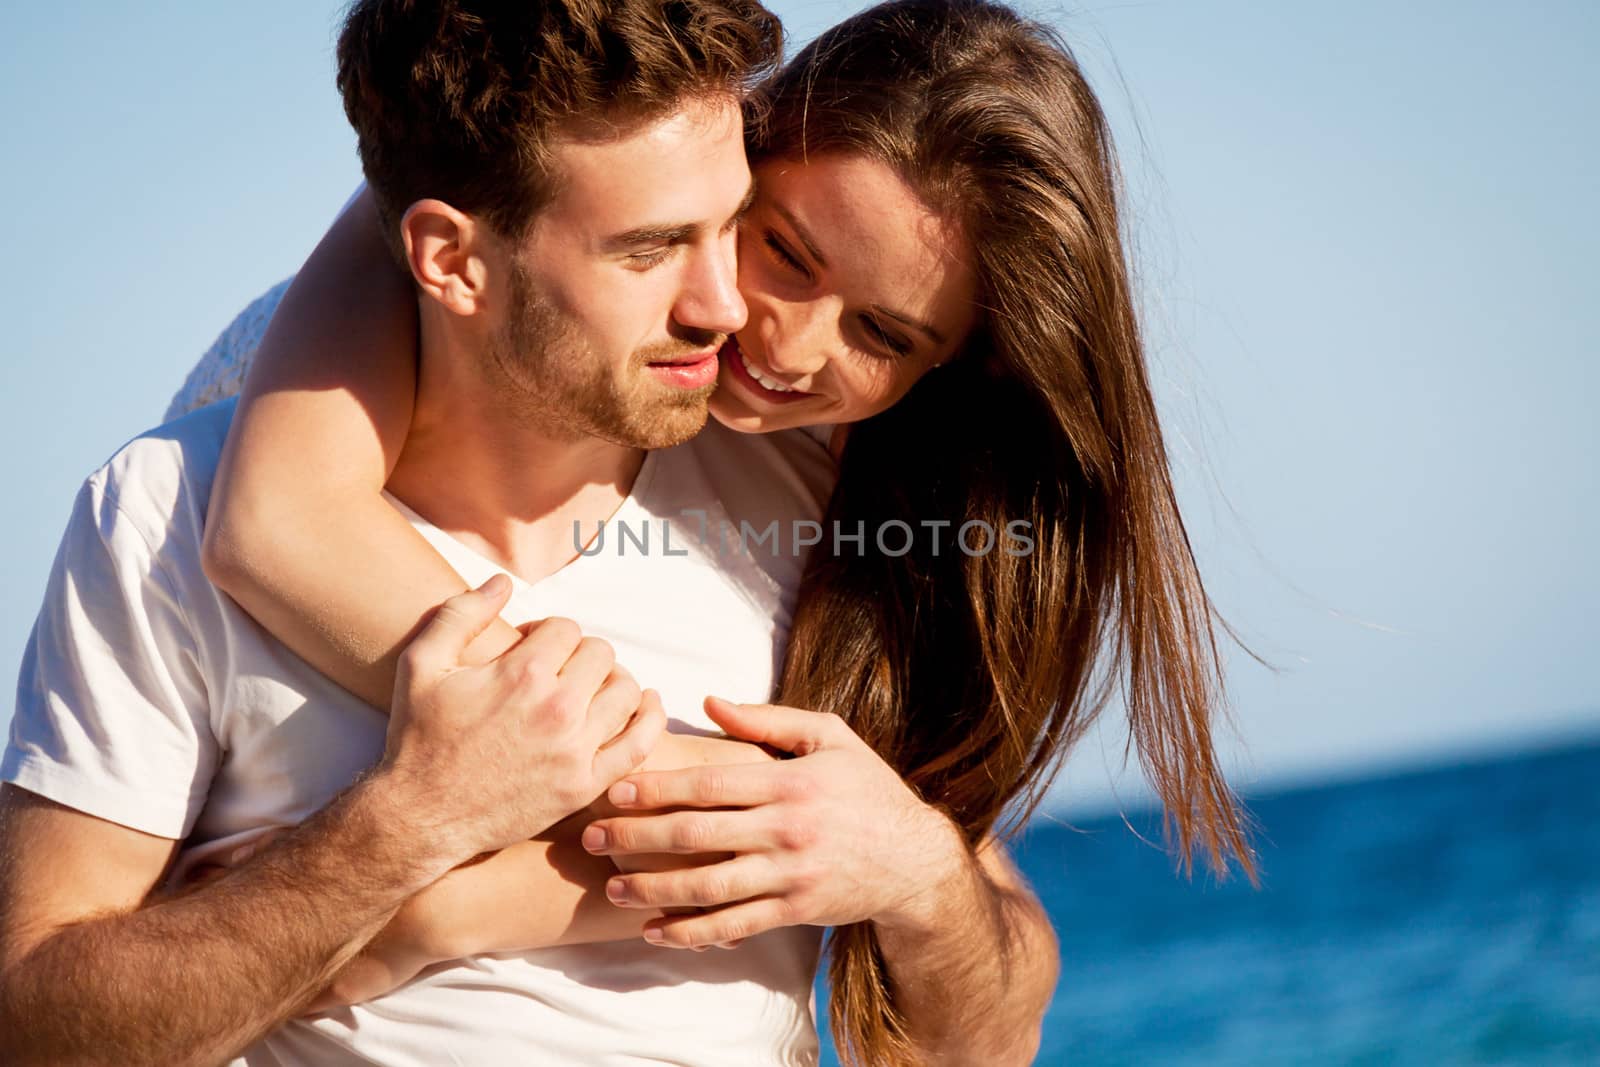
580	343
855	289
627	279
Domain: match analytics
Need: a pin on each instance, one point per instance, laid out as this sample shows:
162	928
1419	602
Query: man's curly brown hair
460	99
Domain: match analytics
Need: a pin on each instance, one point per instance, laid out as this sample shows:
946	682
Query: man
152	710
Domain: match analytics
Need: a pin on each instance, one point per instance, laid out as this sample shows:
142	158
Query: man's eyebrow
672	232
800	232
915	324
744	207
663	234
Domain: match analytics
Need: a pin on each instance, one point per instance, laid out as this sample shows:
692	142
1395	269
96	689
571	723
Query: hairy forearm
972	973
195	978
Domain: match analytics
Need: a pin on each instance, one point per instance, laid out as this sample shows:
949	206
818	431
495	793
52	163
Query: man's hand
831	837
481	757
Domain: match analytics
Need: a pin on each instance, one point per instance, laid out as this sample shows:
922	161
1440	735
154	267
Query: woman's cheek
871	389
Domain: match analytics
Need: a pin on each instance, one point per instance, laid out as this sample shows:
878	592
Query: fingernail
594	838
624	793
654	936
617	891
494	585
240	854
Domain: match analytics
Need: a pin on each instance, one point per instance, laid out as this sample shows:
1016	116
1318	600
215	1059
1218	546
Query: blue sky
1364	233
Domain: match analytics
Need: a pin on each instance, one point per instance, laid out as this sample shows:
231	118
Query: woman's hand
678	751
203	874
831	837
390	960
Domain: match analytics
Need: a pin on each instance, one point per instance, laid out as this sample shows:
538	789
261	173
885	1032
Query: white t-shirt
150	699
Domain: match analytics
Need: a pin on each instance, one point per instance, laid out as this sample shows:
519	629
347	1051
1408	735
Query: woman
934	265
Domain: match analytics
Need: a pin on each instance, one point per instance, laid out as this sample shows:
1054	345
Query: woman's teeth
766	383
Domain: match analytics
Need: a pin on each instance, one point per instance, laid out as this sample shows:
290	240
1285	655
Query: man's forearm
550	891
972	973
196	978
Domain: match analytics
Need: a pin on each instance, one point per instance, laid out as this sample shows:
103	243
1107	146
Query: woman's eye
898	345
785	256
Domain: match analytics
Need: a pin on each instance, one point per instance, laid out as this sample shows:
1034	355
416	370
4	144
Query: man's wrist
384	815
946	872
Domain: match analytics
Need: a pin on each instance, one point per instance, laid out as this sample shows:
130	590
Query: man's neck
506	485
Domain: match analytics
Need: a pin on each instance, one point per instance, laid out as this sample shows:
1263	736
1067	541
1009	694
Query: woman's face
856	289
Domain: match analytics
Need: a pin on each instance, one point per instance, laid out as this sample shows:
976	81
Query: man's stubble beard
546	373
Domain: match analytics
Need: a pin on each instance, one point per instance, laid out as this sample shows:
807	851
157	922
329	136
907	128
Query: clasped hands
828	837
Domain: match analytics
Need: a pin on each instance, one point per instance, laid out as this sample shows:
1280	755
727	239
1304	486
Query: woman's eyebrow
926	328
916	324
800	232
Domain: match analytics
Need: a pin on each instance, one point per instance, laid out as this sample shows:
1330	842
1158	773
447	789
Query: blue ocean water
1448	916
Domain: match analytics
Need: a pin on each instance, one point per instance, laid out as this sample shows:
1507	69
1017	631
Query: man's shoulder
161	480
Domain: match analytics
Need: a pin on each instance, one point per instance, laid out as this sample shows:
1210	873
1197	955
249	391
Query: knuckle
714	889
531	676
598	647
562	709
637	753
414	659
800	788
692	834
625	695
796	836
560	629
652	719
805	876
710	786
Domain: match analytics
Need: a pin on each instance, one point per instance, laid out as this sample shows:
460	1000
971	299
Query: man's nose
710	299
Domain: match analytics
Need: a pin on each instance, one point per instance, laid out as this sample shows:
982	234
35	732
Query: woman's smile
758	382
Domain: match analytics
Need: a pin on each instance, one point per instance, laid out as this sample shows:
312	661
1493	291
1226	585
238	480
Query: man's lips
694	370
688	359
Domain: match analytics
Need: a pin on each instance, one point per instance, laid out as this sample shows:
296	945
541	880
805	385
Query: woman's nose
806	344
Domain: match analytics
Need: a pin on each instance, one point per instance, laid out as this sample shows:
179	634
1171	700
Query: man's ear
445	250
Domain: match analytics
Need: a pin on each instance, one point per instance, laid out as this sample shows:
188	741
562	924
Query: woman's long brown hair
973	675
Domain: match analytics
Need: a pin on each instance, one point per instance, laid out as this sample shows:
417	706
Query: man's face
625	287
